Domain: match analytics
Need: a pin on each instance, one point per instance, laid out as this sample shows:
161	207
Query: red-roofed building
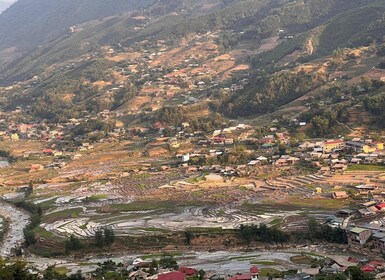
254	270
253	275
381	206
353	260
187	271
368	268
173	275
371	267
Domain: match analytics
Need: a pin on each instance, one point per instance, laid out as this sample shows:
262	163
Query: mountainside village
132	143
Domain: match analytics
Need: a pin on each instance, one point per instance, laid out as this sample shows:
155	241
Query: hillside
35	21
4	5
239	58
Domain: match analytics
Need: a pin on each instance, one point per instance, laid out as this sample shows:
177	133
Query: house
381	207
36	167
360	147
379	241
366	212
339	167
358	235
253	275
340	195
173	275
378	145
188	271
332	145
368	268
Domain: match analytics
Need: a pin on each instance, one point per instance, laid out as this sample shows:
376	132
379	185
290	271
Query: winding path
14	236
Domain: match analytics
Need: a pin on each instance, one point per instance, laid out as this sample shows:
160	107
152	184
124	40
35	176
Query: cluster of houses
364	227
140	271
327	156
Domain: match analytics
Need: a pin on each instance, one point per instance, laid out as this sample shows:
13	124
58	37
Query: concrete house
358	235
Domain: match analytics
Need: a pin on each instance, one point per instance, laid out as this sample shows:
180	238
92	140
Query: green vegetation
376	105
267	93
262	233
104	237
73	244
317	231
168	261
20	271
366	167
36	213
60	215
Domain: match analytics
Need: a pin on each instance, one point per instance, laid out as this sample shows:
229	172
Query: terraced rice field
162	219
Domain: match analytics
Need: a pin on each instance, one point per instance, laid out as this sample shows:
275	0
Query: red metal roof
254	270
368	268
188	271
381	205
174	275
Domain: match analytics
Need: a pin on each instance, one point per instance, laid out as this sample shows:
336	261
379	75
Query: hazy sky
4	4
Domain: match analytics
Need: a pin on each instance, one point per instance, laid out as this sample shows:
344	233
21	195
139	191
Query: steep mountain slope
4	5
265	40
35	21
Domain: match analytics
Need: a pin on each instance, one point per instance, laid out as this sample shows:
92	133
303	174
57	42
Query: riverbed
14	236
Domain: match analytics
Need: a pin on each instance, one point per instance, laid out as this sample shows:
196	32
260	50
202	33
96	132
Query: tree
51	274
17	251
168	261
29	189
335	277
282	149
188	236
153	267
99	238
73	244
29	236
109	236
320	125
356	273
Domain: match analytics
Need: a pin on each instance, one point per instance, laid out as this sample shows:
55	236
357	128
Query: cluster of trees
227	40
36	213
207	123
92	126
57	103
123	95
352	273
73	244
7	154
104	237
267	93
20	271
262	233
168	261
326	121
317	231
238	155
376	106
177	115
